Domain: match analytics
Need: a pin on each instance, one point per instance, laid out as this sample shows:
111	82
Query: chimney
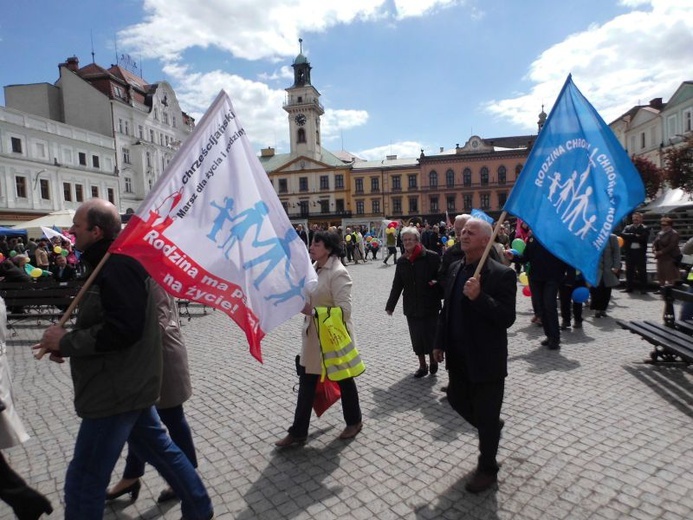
442	149
267	152
72	64
656	103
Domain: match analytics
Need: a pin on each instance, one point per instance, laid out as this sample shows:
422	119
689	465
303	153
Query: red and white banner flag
213	231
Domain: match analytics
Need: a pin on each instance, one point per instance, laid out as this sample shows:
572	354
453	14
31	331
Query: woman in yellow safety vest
333	290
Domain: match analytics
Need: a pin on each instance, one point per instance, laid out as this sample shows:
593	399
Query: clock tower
304	109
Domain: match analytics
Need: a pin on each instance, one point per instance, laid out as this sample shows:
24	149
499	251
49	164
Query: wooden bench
40	299
184	307
673	339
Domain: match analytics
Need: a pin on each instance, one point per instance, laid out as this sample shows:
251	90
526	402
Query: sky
395	76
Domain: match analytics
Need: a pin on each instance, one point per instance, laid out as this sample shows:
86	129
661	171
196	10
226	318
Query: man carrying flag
577	185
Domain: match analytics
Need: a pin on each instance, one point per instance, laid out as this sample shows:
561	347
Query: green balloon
519	245
64	252
13	253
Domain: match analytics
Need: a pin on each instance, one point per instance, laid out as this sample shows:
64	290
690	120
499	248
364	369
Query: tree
678	165
651	174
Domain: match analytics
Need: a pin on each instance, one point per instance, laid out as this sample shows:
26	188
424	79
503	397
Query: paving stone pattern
591	432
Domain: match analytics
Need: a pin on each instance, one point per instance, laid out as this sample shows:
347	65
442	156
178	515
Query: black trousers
565	296
636	261
480	405
600	297
306	395
14	491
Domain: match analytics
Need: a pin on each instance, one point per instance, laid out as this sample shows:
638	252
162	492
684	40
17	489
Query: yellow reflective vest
340	358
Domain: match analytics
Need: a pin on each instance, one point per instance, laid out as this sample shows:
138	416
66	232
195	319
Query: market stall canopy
669	201
12	232
58	219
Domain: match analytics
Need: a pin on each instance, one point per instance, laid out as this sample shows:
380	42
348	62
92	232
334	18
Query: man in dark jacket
473	338
416	276
635	238
115	360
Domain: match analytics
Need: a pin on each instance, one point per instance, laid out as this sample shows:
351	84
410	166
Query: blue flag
477	213
577	185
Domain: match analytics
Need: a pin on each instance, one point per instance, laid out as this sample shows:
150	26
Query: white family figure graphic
575	200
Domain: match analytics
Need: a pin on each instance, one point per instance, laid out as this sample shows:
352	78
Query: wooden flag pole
490	244
75	301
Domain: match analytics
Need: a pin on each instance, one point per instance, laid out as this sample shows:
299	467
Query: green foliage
678	165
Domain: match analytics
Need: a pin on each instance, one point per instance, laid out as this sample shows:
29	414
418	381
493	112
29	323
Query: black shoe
133	490
290	440
166	495
553	345
577	324
565	325
434	368
422	371
480	481
545	342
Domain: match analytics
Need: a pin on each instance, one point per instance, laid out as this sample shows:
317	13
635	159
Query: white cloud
333	122
404	149
629	60
412	8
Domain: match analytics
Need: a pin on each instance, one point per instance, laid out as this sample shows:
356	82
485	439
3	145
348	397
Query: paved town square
591	432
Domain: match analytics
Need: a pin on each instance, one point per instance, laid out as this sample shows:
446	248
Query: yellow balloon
523	279
451	242
348	238
36	272
57	250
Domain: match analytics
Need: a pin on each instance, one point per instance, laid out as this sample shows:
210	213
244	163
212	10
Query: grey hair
485	227
411	230
463	216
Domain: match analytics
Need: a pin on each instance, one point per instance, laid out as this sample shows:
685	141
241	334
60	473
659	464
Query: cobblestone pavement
591	431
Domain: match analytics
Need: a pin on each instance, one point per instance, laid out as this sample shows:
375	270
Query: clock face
300	119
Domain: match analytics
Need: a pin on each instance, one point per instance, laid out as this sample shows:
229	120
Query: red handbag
326	394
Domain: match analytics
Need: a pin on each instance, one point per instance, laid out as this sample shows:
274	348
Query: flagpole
75	301
490	244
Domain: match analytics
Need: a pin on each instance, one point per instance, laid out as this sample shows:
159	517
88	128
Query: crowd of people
41	259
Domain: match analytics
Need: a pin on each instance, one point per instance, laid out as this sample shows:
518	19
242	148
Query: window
285	205
151	135
518	169
502	199
82	158
671	126
40	150
301	135
156	114
67	191
95	191
397	206
375	206
127	128
173	122
501	174
467	177
95	161
111	196
360	207
45	189
303	205
339	205
358	185
126	155
283	187
149	159
450	203
165	114
687	121
339	182
79	193
119	92
16	144
121	126
128	184
412	181
433	179
20	187
642	140
303	184
467	202
375	185
433	201
396	182
324	206
324	182
450	179
413	204
140	131
166	140
485	200
484	176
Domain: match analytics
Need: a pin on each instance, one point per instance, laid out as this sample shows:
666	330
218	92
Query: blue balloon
581	294
515	252
444	240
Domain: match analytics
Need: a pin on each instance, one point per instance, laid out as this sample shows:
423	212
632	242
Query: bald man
116	365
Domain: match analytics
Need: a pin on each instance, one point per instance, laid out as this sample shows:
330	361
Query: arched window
301	135
484	176
501	175
467	177
433	179
450	179
518	169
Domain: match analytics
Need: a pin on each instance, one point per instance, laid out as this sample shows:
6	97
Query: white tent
669	201
61	219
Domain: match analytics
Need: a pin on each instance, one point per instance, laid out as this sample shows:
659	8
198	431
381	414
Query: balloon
515	252
13	253
2	257
444	240
390	231
392	225
36	272
369	239
451	242
620	241
348	238
64	252
526	291
524	280
57	250
580	294
519	245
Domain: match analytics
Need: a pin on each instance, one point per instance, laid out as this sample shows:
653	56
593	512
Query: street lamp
36	179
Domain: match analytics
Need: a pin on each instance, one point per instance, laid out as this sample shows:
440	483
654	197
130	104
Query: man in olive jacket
116	364
472	336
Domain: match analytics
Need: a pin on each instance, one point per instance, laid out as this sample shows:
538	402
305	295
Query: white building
47	166
144	120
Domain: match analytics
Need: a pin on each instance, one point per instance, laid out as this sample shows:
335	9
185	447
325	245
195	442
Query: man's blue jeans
98	446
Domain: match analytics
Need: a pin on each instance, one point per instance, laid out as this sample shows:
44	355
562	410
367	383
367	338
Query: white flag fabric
50	234
213	230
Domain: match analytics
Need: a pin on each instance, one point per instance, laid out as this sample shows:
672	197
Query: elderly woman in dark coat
667	253
608	275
